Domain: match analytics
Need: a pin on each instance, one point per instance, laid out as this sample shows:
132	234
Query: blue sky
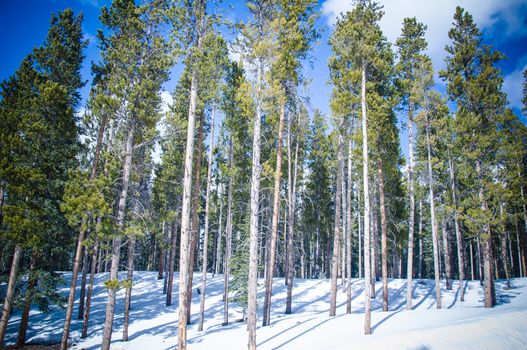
24	24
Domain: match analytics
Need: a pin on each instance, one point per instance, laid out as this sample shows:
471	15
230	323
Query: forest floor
459	325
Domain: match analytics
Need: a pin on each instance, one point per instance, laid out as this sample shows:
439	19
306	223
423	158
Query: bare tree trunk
184	262
171	265
228	242
471	262
360	231
459	235
83	284
24	320
349	225
421	253
253	222
411	217
10	293
504	259
217	259
446	251
487	245
194	223
206	233
518	247
116	244
336	236
90	288
433	217
80	239
366	186
291	224
274	224
128	291
162	252
384	238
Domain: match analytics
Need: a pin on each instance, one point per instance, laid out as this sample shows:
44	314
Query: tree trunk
421	255
82	297
291	224
162	252
10	293
349	225
116	244
128	291
206	233
433	217
518	247
384	238
446	251
459	235
253	222
274	224
217	256
487	245
184	263
359	267
336	236
471	262
194	223
171	265
228	242
80	239
90	289
365	179
24	320
411	217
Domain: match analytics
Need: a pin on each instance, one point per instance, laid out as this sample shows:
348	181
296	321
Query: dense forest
253	183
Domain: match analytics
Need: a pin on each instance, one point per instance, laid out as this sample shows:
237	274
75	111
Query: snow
459	325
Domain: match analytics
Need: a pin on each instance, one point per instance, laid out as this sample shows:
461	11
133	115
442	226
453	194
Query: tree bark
349	225
228	242
384	237
128	291
24	320
90	289
365	180
446	251
433	219
206	233
162	252
336	236
217	256
171	265
411	217
421	255
459	235
82	297
253	222
116	244
274	224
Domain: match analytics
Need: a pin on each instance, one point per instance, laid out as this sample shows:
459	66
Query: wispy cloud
513	84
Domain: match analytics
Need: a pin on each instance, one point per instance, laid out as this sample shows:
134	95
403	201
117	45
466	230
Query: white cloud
513	84
500	19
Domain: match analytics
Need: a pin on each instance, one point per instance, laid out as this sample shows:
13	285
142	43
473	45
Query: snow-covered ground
459	325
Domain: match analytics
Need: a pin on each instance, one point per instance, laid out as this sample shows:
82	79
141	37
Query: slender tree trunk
228	241
291	226
80	239
171	265
206	234
433	217
194	223
90	288
459	235
336	236
274	224
360	231
10	293
384	237
116	244
184	262
253	222
82	297
162	252
471	262
446	251
487	245
217	259
366	186
128	291
421	253
24	320
411	217
349	225
518	247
